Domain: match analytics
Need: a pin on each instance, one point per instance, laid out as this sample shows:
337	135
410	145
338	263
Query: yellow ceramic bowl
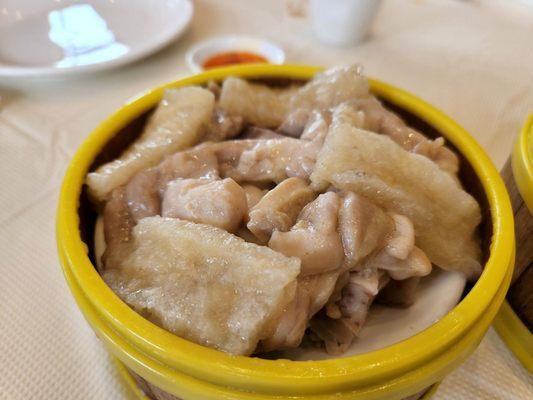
509	326
194	372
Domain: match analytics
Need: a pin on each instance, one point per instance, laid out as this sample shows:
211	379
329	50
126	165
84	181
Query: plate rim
7	71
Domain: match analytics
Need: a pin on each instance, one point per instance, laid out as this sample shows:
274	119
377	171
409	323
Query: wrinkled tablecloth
472	59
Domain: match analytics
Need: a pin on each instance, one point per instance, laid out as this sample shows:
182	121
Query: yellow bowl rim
186	387
132	386
515	334
217	366
522	162
508	325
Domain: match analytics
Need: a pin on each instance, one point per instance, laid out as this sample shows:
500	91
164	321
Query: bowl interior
407	366
88	215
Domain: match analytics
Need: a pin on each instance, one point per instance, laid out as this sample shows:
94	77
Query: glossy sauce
233	57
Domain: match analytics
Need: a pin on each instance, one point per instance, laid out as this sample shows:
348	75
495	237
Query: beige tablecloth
472	59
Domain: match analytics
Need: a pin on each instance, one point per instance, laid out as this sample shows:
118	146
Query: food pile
252	218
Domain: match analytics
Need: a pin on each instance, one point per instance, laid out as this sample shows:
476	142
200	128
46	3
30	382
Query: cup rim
216	366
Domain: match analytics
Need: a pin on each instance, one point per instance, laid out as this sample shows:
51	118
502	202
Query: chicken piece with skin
259	104
347	313
364	227
141	197
118	224
145	190
243	160
276	159
312	293
312	139
220	203
142	194
416	264
444	215
358	295
316	127
223	126
378	246
372	116
253	194
199	162
170	272
295	123
314	238
341	322
278	209
266	161
178	122
269	107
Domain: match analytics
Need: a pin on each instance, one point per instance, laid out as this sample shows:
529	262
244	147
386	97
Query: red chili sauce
233	57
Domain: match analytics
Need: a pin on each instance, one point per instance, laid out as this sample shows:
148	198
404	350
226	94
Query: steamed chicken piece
331	88
178	122
402	242
374	239
278	209
220	203
378	245
314	238
363	226
276	159
295	123
445	217
415	265
142	194
223	126
204	284
141	197
252	160
242	160
358	295
312	293
259	104
198	162
373	116
145	190
118	224
345	318
248	160
269	107
316	128
273	160
253	194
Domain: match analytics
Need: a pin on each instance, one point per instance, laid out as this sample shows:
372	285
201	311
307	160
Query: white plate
198	54
436	295
62	37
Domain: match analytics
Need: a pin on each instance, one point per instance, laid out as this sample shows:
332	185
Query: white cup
342	22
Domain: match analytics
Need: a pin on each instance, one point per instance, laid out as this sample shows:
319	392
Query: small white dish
48	38
201	52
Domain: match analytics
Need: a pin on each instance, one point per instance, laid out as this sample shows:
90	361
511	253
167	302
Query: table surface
471	59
